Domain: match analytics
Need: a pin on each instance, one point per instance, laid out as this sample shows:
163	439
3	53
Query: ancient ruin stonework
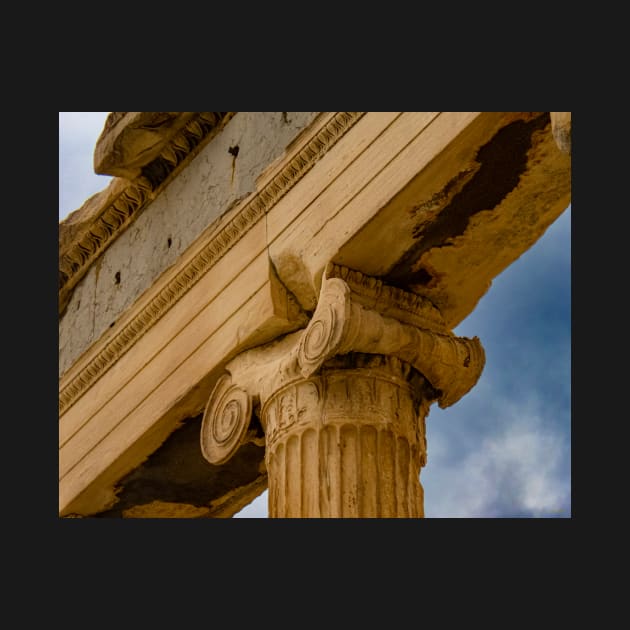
343	402
212	183
266	300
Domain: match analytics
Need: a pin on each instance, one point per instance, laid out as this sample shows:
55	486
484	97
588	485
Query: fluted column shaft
347	443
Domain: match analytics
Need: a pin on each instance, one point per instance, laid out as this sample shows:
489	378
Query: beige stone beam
490	190
93	417
438	203
342	192
110	434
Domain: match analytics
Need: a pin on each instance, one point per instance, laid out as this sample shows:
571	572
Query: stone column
343	403
348	442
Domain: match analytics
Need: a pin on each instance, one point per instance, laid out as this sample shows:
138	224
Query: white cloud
517	470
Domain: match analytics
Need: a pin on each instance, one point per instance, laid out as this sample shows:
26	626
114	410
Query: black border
447	546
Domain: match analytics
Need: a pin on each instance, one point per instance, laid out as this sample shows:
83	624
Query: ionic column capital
354	314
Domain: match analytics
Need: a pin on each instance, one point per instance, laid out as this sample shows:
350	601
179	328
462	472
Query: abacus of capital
343	402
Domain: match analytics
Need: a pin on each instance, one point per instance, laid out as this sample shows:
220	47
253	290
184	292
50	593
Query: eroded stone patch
178	475
498	167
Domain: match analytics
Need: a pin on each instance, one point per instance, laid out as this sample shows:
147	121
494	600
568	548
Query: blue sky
504	450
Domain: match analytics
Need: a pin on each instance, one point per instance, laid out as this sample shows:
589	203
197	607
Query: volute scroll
225	421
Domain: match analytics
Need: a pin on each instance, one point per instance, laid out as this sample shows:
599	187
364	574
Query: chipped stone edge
122	204
290	174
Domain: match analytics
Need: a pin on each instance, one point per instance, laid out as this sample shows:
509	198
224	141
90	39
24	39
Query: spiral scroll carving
342	324
323	335
318	338
225	421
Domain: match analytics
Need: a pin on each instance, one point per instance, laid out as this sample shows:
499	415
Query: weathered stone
561	127
191	203
107	216
131	140
312	253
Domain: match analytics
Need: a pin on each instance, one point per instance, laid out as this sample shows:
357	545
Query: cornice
298	164
122	207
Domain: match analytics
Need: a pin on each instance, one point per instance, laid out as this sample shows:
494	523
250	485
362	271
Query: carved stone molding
349	442
225	238
228	411
374	294
131	141
80	247
349	391
341	323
